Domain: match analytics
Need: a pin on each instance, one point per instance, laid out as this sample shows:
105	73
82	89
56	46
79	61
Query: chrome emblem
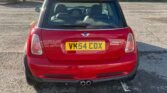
85	34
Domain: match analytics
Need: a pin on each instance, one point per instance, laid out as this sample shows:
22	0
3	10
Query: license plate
85	46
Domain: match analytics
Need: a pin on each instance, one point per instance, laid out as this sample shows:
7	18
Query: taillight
36	48
130	45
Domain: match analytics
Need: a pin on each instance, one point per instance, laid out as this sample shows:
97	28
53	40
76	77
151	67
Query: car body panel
123	67
80	66
56	63
54	45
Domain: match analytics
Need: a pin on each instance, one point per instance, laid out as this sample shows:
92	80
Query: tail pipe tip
85	83
82	83
88	83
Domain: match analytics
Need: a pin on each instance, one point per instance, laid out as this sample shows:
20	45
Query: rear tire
132	77
29	78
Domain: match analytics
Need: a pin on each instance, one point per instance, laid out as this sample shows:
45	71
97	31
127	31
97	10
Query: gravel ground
148	20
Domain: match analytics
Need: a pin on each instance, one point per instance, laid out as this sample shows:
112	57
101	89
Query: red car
80	41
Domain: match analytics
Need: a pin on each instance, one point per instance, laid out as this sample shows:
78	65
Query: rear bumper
94	81
44	71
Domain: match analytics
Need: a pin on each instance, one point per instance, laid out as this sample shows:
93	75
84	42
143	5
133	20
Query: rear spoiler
85	0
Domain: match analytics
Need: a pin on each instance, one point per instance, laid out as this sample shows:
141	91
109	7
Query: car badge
85	34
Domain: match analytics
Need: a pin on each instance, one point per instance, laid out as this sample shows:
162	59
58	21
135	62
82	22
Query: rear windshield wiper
85	26
73	26
101	26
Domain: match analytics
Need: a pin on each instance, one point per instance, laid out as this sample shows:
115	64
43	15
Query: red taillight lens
36	48
130	45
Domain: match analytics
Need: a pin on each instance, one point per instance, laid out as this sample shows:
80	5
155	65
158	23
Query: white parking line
125	87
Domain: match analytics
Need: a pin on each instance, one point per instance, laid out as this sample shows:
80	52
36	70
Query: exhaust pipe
88	83
82	83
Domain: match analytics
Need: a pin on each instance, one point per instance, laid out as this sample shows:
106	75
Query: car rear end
94	45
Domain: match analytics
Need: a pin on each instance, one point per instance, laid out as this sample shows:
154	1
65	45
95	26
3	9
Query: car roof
85	0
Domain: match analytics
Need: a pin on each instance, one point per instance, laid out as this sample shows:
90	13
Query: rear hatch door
84	46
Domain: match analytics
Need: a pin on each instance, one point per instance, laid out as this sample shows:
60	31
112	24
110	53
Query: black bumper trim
94	81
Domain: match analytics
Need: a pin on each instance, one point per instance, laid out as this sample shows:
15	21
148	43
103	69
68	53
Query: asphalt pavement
148	20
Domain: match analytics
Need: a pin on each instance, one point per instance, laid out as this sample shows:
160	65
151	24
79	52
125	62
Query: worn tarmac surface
148	20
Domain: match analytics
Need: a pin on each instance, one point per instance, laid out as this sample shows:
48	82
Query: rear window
85	15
